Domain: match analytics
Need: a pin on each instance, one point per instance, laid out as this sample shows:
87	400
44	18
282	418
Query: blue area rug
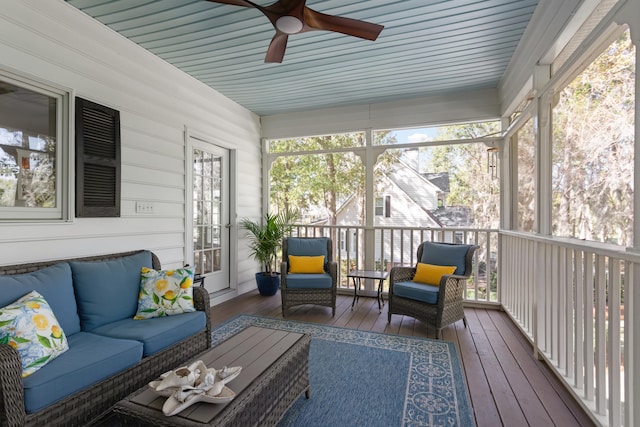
361	378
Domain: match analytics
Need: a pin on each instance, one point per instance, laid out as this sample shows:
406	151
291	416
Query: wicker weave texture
450	305
263	403
90	403
292	297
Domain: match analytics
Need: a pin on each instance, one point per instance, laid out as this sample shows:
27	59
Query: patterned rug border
429	394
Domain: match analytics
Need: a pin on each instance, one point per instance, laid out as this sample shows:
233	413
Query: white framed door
209	231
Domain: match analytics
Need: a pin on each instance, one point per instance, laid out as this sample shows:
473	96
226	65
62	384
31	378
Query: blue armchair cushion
417	291
55	285
91	358
107	291
445	254
308	247
309	281
157	333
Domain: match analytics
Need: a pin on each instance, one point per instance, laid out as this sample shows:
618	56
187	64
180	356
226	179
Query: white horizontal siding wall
59	45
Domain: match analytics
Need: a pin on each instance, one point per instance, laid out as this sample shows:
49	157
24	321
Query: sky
415	135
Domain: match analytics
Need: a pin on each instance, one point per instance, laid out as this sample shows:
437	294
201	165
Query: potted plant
265	240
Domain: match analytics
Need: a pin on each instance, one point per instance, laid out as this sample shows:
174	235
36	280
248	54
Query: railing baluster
553	331
589	287
601	338
613	343
570	312
548	299
578	375
562	309
631	358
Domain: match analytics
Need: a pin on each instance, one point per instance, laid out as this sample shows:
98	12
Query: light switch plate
144	207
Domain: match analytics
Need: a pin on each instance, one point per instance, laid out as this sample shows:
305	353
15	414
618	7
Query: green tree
471	184
321	182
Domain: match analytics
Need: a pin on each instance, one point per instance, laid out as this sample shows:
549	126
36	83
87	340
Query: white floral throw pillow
165	293
29	326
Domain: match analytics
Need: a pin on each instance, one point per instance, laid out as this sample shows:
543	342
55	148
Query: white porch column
628	14
541	76
632	300
369	233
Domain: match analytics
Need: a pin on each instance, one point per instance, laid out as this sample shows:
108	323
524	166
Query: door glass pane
207	202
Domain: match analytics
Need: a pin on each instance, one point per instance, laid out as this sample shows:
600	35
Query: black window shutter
97	160
387	207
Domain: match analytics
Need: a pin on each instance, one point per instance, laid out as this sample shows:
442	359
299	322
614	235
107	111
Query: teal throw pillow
107	291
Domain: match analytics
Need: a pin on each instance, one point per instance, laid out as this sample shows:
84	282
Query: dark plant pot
268	285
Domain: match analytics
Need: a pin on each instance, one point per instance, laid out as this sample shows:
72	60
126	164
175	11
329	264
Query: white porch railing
569	297
381	248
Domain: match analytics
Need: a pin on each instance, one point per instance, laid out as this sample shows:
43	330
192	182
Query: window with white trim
33	134
379	207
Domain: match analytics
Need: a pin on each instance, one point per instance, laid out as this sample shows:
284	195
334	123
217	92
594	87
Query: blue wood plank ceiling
427	47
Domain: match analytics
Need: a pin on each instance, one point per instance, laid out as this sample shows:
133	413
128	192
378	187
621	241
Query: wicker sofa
128	363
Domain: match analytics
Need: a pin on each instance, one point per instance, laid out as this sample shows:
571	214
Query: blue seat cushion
308	281
54	284
107	291
445	254
156	333
90	358
308	247
417	291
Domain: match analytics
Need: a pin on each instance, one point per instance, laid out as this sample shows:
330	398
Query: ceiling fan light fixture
289	24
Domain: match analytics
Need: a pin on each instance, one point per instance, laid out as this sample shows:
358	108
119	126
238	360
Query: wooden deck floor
506	384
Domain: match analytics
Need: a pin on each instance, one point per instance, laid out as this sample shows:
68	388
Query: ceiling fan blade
234	2
287	6
351	27
278	45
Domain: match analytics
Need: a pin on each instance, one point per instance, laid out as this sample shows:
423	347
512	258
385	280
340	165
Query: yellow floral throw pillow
165	293
29	326
431	274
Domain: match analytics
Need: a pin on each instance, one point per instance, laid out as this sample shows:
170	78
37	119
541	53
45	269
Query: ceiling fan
293	17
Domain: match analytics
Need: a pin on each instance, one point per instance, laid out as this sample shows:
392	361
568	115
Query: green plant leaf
39	361
6	322
44	341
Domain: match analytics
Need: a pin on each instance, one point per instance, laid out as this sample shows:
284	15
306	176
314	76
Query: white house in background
405	198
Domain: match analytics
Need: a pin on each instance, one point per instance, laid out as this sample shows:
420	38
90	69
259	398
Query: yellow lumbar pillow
431	274
306	264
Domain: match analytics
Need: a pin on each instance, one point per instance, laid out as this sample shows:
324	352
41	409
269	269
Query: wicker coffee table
275	373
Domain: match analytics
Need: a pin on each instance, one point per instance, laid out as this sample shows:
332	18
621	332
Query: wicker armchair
446	304
299	289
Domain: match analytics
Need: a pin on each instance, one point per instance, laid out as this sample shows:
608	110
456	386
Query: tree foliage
593	149
471	184
317	184
526	177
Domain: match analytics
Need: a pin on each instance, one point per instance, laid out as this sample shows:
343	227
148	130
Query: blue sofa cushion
445	254
54	284
308	247
308	281
417	291
157	333
107	291
90	358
